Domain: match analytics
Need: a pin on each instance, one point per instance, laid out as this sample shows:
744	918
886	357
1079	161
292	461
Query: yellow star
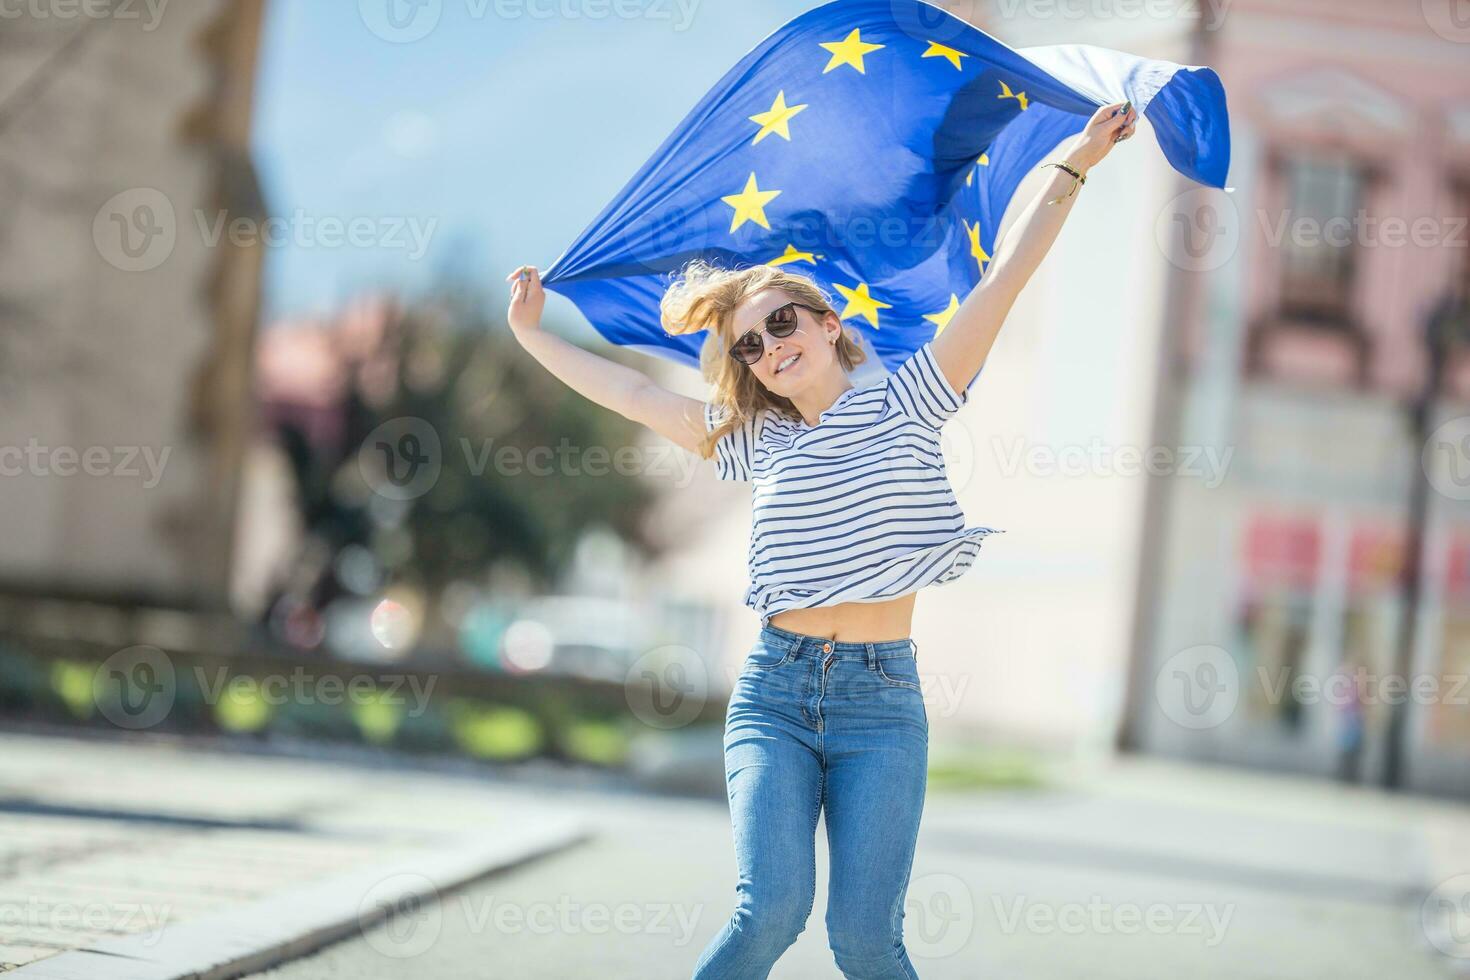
942	318
937	50
849	51
984	161
1006	93
860	303
750	205
776	121
792	255
975	250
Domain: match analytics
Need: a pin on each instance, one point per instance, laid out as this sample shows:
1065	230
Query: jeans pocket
901	671
763	657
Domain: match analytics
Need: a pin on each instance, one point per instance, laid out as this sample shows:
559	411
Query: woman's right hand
1108	126
527	300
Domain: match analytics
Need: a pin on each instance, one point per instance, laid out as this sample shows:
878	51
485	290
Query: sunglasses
780	322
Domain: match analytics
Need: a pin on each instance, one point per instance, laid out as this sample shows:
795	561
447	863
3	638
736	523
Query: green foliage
596	741
488	731
978	768
515	484
526	466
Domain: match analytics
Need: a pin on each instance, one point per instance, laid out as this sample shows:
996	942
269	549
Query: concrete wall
125	329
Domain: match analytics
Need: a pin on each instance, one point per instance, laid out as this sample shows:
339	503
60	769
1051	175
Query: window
1274	631
1324	198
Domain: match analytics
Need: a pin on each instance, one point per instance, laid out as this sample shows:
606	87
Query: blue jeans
814	723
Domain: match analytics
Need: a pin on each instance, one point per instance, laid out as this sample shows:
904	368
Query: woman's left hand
1107	127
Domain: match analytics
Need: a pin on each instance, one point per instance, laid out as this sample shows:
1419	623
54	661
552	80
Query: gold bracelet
1077	180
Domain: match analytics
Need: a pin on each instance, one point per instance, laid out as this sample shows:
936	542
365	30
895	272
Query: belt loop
872	657
915	644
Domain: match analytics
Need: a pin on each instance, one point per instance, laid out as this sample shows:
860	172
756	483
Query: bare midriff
854	622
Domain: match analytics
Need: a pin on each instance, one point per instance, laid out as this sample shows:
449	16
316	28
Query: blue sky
492	139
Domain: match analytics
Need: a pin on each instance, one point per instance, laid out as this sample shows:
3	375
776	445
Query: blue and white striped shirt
857	508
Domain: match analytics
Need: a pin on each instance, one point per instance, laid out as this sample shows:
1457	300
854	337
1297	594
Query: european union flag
872	145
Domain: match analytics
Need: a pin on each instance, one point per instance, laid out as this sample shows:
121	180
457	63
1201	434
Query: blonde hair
702	297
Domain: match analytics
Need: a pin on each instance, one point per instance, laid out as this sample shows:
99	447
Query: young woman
853	514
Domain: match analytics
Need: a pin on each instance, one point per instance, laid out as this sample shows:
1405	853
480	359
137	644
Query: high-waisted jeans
815	723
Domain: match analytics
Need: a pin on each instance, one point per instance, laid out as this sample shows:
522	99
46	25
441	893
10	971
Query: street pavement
1134	870
148	859
1127	869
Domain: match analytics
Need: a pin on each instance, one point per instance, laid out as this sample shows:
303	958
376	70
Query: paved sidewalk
1251	875
121	846
1220	822
1129	871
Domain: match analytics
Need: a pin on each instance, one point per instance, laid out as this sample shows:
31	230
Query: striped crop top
857	508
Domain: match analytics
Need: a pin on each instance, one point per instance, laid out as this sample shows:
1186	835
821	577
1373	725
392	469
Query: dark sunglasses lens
748	348
782	322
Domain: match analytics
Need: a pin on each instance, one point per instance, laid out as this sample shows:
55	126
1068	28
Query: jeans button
826	648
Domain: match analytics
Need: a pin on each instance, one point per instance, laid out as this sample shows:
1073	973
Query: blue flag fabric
872	145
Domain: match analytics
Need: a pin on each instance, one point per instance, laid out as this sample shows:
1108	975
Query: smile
786	363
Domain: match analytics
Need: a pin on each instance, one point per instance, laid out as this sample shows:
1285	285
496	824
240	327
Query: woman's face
787	364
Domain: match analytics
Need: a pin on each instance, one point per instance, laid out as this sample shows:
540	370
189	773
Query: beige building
126	324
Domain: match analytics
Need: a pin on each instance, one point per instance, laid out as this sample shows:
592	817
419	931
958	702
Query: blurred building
126	321
1270	606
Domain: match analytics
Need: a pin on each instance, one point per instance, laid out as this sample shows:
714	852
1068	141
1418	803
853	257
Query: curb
266	933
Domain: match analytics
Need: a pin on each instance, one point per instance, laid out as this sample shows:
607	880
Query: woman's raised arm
963	346
630	393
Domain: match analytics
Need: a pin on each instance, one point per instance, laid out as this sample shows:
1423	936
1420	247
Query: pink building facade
1270	618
